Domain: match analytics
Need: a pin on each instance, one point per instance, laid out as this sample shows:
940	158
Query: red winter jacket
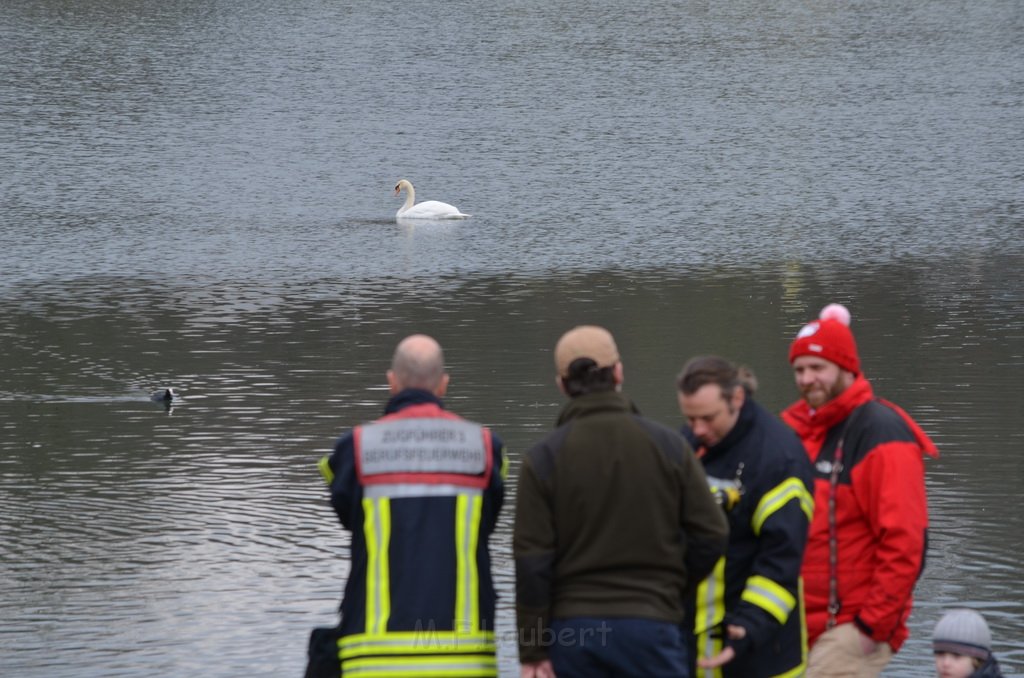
881	511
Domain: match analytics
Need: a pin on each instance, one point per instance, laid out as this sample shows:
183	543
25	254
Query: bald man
420	490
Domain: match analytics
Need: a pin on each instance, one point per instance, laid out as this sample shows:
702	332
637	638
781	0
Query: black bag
323	653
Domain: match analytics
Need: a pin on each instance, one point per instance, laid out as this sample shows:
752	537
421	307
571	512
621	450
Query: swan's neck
410	198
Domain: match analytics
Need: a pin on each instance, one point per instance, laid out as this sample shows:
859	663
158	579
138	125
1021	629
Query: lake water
198	194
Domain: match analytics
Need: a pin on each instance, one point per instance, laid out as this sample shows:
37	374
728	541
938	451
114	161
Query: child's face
951	665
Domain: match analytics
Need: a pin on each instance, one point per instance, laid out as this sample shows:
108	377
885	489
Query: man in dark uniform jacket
420	490
747	617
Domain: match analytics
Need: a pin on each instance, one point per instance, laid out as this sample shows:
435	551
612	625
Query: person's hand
867	645
724	657
727	654
542	669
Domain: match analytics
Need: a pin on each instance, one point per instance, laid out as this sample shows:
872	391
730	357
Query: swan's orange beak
398	190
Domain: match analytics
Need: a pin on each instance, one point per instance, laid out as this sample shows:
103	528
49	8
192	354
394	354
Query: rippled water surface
199	195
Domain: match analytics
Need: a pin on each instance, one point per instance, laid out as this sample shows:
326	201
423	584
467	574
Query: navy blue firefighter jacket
756	584
420	490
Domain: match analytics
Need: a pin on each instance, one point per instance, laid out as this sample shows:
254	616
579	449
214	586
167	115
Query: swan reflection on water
408	226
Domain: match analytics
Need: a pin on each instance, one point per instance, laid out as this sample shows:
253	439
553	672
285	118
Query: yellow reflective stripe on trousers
779	496
325	469
467	578
377	532
709	615
769	596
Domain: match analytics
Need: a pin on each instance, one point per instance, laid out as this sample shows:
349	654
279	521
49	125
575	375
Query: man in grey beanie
963	646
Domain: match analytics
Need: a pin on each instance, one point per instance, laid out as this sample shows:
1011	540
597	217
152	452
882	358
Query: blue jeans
589	647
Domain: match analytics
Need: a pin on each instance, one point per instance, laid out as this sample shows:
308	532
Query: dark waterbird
166	396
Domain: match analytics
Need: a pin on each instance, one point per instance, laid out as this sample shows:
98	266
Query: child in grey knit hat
963	646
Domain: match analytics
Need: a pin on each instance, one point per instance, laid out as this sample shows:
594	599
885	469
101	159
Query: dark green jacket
613	519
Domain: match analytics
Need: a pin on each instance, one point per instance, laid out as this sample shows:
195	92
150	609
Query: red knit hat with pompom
830	338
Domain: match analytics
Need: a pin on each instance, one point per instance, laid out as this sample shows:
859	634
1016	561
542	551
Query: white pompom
836	312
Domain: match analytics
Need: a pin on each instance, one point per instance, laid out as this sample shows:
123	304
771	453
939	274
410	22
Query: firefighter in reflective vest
747	616
420	490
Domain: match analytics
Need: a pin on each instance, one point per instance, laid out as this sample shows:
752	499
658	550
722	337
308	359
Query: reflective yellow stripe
793	673
769	596
504	465
425	641
800	669
779	496
426	652
325	469
711	599
709	615
803	622
377	532
467	580
444	666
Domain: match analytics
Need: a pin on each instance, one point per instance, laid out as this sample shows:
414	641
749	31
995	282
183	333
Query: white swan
428	209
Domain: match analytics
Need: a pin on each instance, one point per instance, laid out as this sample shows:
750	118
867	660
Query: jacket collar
813	425
409	397
801	417
596	403
743	424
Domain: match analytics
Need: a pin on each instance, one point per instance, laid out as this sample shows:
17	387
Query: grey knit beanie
963	632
